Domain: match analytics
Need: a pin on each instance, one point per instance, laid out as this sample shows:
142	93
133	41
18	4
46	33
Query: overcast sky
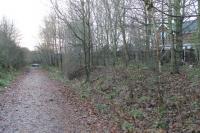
27	16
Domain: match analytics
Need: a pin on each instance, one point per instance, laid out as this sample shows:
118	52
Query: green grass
55	74
144	98
127	127
193	74
84	90
161	124
102	107
6	77
138	114
162	111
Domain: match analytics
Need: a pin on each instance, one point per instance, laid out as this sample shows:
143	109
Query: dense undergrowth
140	100
6	77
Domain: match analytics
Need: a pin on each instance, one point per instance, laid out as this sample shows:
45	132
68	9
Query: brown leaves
167	103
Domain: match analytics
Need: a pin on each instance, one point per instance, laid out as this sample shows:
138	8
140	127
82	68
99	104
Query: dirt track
35	104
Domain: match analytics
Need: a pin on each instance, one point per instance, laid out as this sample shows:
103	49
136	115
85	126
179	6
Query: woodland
136	61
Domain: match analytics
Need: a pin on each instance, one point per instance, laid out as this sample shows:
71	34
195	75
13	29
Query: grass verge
6	77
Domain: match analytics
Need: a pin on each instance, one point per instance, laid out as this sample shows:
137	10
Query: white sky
27	16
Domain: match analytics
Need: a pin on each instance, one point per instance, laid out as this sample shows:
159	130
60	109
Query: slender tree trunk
89	35
85	47
123	29
115	45
149	26
60	54
147	30
158	60
171	40
179	35
163	26
198	33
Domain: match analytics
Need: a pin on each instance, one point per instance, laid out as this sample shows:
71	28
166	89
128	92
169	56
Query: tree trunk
171	40
198	33
123	29
179	35
149	26
85	45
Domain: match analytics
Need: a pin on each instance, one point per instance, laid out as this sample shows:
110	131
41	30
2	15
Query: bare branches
175	16
111	30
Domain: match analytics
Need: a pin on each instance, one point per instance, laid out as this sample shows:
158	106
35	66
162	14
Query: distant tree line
12	56
81	34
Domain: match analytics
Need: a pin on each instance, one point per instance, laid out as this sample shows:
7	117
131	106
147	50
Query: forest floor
33	103
130	100
140	100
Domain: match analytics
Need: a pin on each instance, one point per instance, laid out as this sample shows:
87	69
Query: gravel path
35	104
